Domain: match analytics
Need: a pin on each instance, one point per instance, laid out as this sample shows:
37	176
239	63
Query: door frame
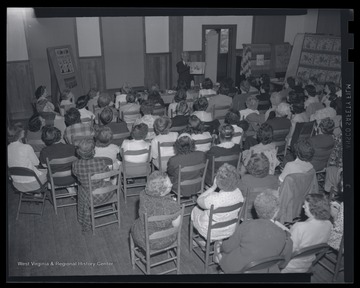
231	62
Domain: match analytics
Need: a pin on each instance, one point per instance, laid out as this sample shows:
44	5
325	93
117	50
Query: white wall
157	34
193	29
16	48
88	35
300	24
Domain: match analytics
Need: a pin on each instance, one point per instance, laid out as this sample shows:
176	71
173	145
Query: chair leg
190	237
118	207
338	264
43	203
178	258
19	206
54	199
132	250
207	254
125	189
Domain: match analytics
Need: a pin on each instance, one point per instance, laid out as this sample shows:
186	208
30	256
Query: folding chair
335	258
75	140
184	182
160	111
219	112
318	250
88	120
202	142
262	264
118	139
109	207
216	162
130	113
134	170
163	160
279	139
177	128
142	259
248	212
37	145
28	196
205	255
58	175
302	130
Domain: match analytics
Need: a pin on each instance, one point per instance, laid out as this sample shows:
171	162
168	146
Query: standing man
183	69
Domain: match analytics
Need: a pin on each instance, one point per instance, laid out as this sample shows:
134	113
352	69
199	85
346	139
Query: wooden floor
51	245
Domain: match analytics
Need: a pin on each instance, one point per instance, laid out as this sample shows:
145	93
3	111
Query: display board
63	72
197	68
318	56
282	53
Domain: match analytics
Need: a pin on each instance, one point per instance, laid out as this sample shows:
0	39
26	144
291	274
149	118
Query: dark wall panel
268	29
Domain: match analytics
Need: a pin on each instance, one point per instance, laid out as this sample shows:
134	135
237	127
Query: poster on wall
260	59
197	68
63	72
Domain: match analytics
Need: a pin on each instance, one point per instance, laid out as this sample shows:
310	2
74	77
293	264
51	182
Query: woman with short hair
104	148
105	100
81	105
138	135
147	110
182	112
315	230
180	95
155	200
197	131
232	117
199	107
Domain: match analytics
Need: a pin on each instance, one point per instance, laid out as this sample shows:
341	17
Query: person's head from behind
82	101
181	85
294	97
267	205
162	125
258	165
252	102
158	184
290	83
330	88
283	110
184	144
297	107
139	131
224	88
265	134
147	107
327	126
265	88
196	125
104	99
182	108
245	85
93	92
207	84
103	136
126	88
41	91
50	135
243	124
310	91
232	117
72	116
226	133
106	116
15	132
304	150
154	96
337	105
200	104
36	122
154	87
227	178
86	149
317	206
130	98
66	94
180	95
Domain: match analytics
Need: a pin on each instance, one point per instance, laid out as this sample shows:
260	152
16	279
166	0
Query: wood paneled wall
92	73
19	90
158	70
176	31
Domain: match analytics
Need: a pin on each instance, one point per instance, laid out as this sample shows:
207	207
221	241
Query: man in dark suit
183	69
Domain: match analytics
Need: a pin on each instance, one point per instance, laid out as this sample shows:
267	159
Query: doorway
219	51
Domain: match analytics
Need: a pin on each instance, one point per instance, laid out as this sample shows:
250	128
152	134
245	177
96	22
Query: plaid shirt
80	169
78	129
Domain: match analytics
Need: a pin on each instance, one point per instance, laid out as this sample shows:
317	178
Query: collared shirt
149	121
86	113
244	113
78	129
203	116
296	166
237	129
202	147
134	145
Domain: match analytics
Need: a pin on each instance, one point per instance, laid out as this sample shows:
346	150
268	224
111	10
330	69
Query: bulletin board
197	68
63	72
318	56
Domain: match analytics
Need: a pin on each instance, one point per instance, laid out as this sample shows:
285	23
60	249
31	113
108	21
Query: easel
63	72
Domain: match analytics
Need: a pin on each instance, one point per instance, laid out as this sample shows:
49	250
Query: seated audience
226	180
67	98
74	127
264	136
147	109
155	97
337	105
130	106
264	97
276	98
162	130
104	148
310	95
55	149
221	99
315	230
43	104
93	99
105	101
337	213
155	200
252	105
281	120
240	98
180	95
233	118
329	93
225	148
304	152
289	85
185	155
197	131
35	126
256	239
81	168
323	143
298	116
121	97
257	176
105	119
138	135
199	107
182	113
207	88
81	104
23	155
